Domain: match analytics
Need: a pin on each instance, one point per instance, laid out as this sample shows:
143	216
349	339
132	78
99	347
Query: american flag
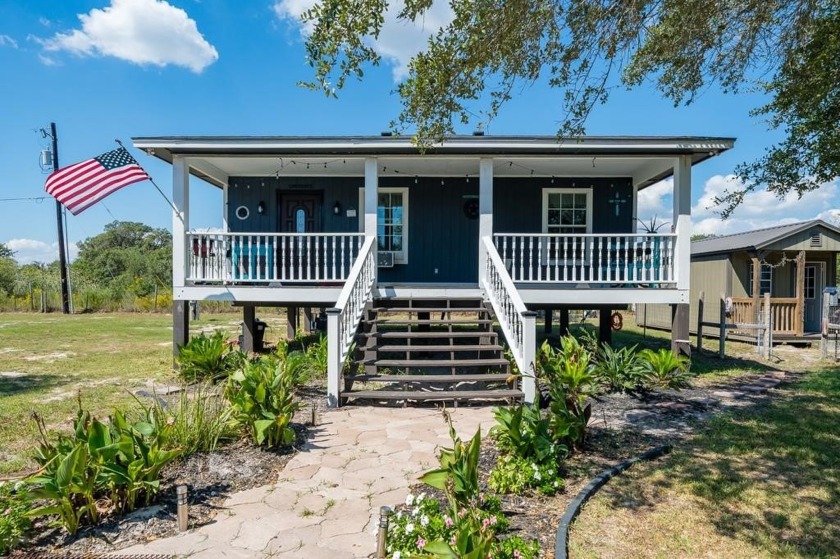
81	185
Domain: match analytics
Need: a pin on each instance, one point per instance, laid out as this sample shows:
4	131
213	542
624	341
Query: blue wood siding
442	239
517	203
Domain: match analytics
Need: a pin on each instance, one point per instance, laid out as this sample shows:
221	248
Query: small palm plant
665	369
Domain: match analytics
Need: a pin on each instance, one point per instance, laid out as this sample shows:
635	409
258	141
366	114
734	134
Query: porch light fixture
337	208
261	207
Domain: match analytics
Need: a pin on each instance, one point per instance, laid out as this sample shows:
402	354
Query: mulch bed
211	479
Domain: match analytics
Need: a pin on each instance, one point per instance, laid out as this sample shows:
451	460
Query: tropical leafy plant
619	370
118	461
208	358
316	358
566	374
523	431
262	398
665	369
15	502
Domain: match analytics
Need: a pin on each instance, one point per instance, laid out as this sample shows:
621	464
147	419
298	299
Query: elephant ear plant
262	398
100	468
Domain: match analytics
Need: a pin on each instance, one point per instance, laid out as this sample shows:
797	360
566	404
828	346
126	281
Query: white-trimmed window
567	210
391	221
765	282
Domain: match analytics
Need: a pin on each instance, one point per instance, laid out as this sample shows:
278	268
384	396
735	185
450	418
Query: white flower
409	500
420	497
397	555
537	476
399	512
414	511
409	528
424	520
534	467
556	483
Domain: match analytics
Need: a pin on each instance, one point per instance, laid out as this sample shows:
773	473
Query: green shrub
619	370
316	358
197	421
15	502
118	462
207	358
262	398
523	431
567	377
515	474
457	476
665	369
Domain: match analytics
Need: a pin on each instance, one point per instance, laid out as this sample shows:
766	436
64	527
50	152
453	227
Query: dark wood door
300	212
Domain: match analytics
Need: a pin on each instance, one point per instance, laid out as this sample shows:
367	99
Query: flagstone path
326	502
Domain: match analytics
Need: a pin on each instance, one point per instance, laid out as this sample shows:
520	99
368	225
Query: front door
814	285
300	212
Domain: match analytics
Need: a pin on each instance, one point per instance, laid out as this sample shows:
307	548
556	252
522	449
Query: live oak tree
789	49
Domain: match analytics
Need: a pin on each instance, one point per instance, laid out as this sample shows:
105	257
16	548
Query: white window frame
585	191
546	259
400	257
761	280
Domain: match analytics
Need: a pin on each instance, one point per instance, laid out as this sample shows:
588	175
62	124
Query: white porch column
371	201
682	222
485	211
180	219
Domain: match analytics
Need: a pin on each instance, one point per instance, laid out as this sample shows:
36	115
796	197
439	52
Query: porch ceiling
645	159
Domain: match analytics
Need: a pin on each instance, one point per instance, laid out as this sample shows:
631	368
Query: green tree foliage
128	257
8	270
584	48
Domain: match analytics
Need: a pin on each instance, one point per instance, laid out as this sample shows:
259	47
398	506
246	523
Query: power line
36	198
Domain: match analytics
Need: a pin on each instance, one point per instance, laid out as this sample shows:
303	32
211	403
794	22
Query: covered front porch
528	222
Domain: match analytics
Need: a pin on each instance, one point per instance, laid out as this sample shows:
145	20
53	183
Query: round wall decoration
471	209
242	212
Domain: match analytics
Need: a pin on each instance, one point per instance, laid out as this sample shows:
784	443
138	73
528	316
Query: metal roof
754	240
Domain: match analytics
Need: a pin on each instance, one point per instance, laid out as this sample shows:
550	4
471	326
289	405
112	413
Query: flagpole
151	180
62	251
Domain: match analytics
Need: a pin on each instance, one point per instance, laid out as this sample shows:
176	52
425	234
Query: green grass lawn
761	482
46	360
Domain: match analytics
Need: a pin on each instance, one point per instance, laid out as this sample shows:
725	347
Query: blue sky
106	69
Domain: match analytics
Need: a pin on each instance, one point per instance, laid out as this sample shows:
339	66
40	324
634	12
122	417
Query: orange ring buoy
616	321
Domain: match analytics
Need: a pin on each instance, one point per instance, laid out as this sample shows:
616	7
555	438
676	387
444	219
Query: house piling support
248	328
180	325
605	325
548	317
291	322
307	320
564	322
680	343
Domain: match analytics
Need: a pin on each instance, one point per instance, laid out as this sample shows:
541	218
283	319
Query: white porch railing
629	260
271	257
517	322
343	320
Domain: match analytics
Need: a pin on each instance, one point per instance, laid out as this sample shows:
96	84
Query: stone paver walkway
326	502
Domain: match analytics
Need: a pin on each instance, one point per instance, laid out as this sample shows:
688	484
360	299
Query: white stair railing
519	325
343	319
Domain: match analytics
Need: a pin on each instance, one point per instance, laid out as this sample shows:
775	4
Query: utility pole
62	251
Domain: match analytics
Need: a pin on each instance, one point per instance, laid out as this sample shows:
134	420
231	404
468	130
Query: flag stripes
81	185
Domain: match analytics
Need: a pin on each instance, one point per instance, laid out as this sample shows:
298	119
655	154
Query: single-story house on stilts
416	255
792	262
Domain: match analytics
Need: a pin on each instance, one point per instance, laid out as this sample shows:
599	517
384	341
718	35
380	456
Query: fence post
700	321
824	326
722	331
768	325
333	358
529	355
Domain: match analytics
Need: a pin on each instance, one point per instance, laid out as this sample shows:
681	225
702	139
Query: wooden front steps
429	349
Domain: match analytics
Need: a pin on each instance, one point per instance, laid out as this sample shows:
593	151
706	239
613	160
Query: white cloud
759	209
140	31
31	250
6	41
398	41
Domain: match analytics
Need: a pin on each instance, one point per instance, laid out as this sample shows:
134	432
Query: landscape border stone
561	545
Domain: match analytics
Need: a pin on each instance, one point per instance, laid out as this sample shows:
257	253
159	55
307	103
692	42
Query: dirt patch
51	356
